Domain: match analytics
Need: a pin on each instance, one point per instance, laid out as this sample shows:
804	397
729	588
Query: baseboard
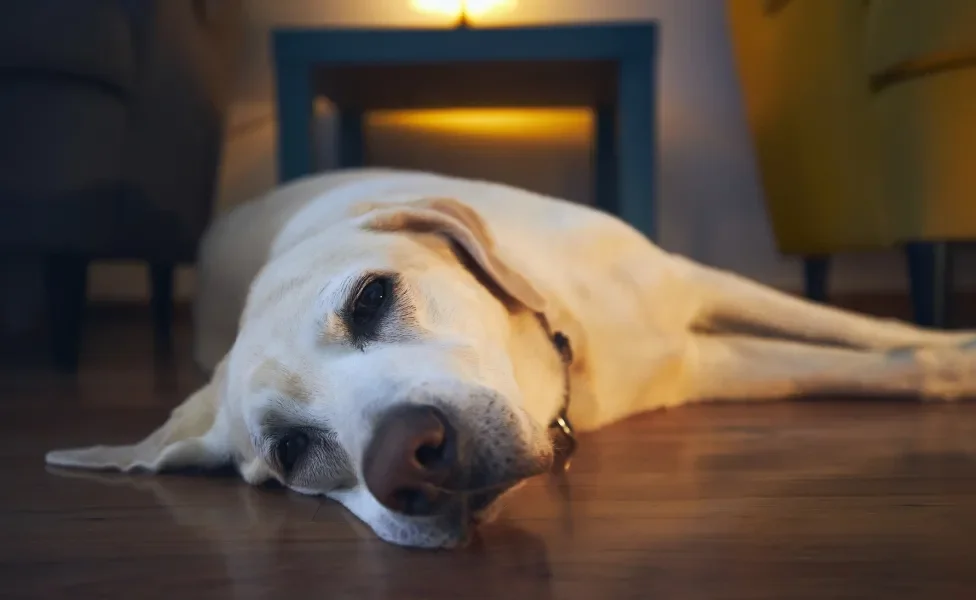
136	309
898	305
891	305
31	347
882	304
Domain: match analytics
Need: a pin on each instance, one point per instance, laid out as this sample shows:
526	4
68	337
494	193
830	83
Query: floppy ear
462	225
191	438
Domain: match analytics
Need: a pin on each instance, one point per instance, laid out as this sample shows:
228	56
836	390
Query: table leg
637	136
295	111
352	147
605	163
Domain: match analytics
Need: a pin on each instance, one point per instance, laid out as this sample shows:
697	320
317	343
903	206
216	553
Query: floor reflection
275	540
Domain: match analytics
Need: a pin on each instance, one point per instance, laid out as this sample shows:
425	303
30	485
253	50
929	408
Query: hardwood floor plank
805	500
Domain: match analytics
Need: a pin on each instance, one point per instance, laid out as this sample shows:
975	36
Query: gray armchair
111	113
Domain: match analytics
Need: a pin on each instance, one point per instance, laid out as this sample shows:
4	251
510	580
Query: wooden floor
794	500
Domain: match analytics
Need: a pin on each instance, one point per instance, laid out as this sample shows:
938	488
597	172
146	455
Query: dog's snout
412	455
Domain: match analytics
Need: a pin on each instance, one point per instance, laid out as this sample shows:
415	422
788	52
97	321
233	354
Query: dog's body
468	266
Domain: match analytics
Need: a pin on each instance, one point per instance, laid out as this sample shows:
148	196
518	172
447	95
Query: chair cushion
908	31
88	39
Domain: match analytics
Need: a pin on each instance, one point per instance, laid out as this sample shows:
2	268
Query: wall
709	201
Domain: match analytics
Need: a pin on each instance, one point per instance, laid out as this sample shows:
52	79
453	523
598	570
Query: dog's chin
485	508
454	529
482	497
458	524
503	448
483	505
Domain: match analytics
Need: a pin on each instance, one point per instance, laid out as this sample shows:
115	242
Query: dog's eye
290	450
370	301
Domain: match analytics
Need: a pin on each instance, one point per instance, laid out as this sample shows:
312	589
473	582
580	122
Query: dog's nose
412	455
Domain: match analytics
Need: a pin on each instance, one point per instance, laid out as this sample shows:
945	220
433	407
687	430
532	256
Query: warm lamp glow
510	123
462	9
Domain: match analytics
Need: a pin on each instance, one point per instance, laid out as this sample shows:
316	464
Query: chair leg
161	284
66	280
930	279
816	272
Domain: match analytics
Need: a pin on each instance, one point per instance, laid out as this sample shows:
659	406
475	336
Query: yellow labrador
396	341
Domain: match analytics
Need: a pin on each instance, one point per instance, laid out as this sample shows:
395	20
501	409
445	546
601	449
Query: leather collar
561	428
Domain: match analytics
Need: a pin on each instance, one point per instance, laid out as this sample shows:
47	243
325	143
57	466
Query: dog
402	341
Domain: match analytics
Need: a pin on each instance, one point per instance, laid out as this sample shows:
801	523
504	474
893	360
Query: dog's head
392	362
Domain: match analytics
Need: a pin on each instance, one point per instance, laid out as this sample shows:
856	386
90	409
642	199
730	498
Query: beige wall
710	205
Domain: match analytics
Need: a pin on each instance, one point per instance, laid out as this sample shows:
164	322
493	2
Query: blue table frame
625	114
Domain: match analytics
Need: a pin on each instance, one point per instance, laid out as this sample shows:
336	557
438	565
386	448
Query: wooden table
609	68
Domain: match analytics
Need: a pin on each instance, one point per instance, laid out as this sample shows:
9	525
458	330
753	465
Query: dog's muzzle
417	462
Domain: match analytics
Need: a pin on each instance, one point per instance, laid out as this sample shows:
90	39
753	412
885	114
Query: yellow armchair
863	114
921	59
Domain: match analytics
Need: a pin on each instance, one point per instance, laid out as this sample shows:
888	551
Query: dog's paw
968	344
944	340
947	374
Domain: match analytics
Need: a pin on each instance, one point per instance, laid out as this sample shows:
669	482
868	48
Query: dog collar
560	428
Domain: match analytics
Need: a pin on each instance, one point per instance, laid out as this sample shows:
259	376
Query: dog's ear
192	437
463	226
